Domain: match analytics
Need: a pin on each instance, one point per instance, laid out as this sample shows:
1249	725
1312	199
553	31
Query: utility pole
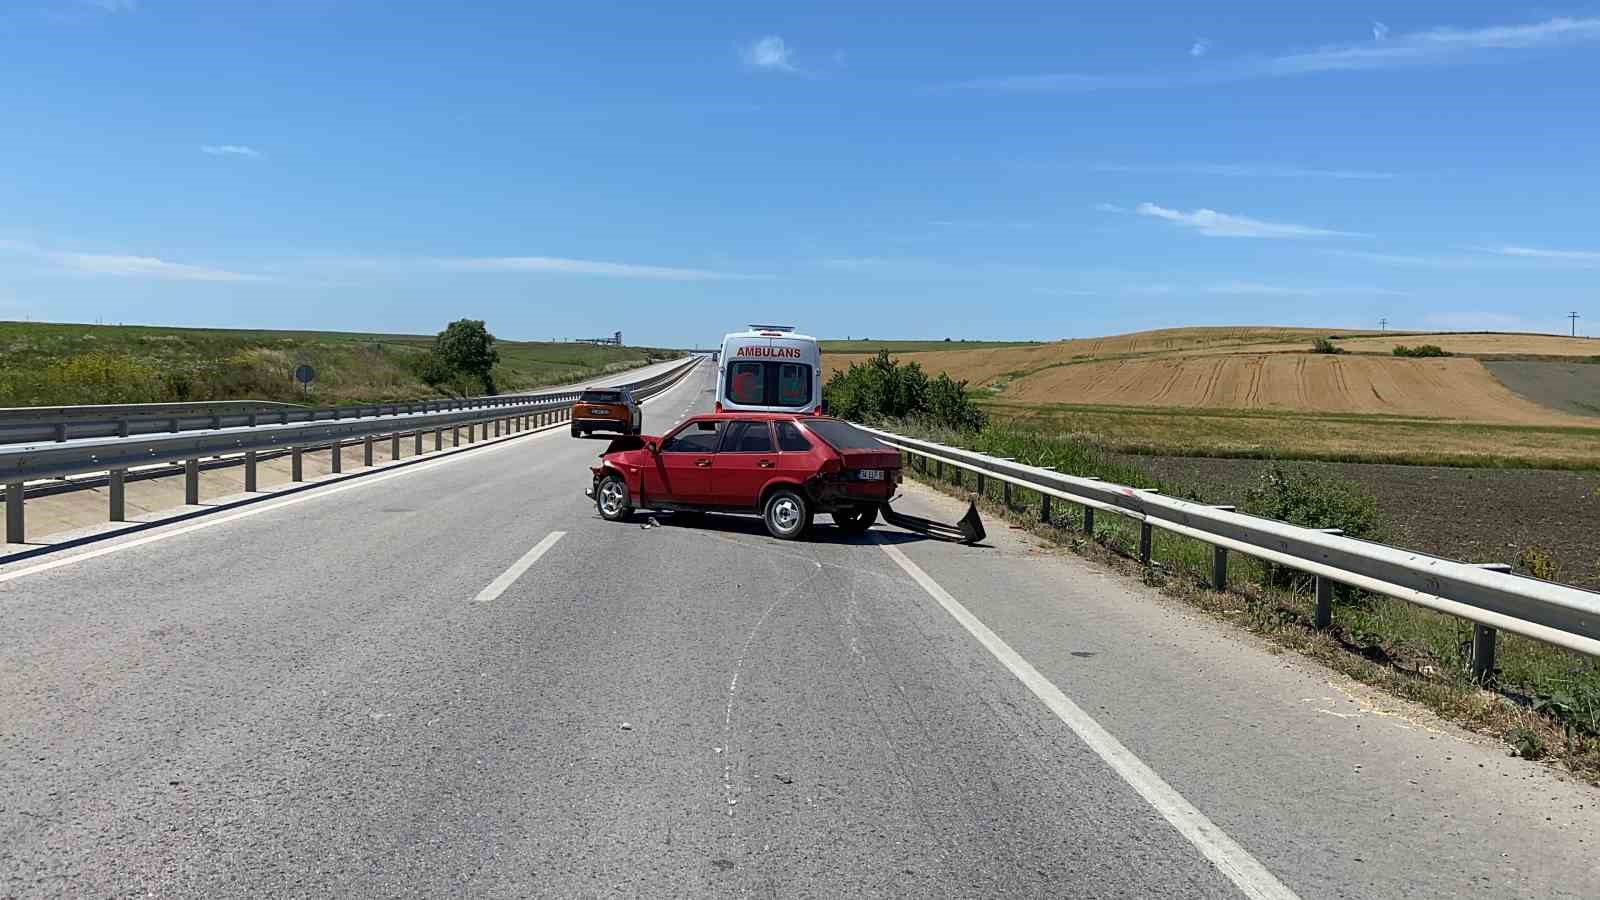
1574	317
1383	324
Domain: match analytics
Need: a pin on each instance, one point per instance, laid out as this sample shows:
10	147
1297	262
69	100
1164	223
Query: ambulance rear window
768	384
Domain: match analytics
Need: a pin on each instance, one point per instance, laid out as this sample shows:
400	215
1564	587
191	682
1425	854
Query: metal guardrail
1489	596
64	423
20	463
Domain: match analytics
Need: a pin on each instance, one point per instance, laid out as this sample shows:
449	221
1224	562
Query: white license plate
871	474
599	411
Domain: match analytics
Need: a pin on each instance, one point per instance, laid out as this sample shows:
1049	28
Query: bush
885	389
1310	500
1421	350
1325	345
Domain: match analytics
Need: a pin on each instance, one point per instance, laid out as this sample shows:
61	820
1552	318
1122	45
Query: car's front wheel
786	514
611	499
856	520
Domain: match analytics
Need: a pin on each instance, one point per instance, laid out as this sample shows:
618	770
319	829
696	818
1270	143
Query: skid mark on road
726	749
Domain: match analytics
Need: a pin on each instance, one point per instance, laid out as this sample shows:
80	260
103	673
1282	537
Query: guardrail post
938	469
366	451
61	432
1481	661
1322	617
1008	494
14	532
472	432
455	435
191	482
496	428
250	471
117	490
1146	539
1088	521
1219	568
394	446
296	470
438	439
417	447
337	456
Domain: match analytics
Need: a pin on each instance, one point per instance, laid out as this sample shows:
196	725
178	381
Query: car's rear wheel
786	514
611	499
856	520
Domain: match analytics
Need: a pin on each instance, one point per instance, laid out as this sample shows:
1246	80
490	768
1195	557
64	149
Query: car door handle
702	463
765	463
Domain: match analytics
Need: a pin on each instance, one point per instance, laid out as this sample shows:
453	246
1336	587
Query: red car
785	467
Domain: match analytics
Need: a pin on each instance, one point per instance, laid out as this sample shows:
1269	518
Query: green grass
51	364
870	346
1296	435
1412	651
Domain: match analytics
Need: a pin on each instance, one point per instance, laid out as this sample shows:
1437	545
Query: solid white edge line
509	576
1232	860
302	496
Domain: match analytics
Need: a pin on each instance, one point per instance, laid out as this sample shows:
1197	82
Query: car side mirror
651	446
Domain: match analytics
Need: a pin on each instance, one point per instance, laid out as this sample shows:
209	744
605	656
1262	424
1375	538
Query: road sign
304	374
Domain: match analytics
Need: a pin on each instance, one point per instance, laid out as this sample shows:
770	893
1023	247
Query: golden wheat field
1263	368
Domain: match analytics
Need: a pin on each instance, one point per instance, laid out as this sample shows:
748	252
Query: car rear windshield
844	436
600	397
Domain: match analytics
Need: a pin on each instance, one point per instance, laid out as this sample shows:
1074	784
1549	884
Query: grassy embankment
1547	700
57	364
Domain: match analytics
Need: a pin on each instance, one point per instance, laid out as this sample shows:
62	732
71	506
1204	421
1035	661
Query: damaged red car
784	467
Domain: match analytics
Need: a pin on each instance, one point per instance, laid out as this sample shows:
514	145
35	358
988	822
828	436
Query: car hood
630	442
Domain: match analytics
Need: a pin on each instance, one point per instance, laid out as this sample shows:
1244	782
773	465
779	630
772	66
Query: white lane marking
509	576
306	495
1235	862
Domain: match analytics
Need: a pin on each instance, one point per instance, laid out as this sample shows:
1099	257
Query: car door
797	459
683	466
744	463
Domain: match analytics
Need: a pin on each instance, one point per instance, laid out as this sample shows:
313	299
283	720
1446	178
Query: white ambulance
769	369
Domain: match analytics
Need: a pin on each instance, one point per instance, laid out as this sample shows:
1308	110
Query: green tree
465	347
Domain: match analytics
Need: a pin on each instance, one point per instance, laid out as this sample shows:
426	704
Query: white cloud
1211	223
585	267
1244	171
230	150
769	53
1437	46
1199	47
124	266
1581	257
1417	260
1380	31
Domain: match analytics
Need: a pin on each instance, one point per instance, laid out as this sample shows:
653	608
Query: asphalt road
454	679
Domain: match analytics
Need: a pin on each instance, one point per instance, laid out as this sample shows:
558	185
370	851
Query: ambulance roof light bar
770	327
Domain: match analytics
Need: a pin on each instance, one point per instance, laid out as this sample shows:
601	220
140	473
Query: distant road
454	679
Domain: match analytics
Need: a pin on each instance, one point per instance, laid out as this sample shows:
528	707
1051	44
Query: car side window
747	437
701	437
790	438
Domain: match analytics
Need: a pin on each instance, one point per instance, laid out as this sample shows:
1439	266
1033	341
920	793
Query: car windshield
600	397
844	436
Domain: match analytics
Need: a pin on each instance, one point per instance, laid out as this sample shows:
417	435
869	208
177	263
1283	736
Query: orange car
606	409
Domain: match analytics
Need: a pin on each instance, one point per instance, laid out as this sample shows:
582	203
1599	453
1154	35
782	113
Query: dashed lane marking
510	576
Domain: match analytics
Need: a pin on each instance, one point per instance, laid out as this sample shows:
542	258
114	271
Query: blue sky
997	170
